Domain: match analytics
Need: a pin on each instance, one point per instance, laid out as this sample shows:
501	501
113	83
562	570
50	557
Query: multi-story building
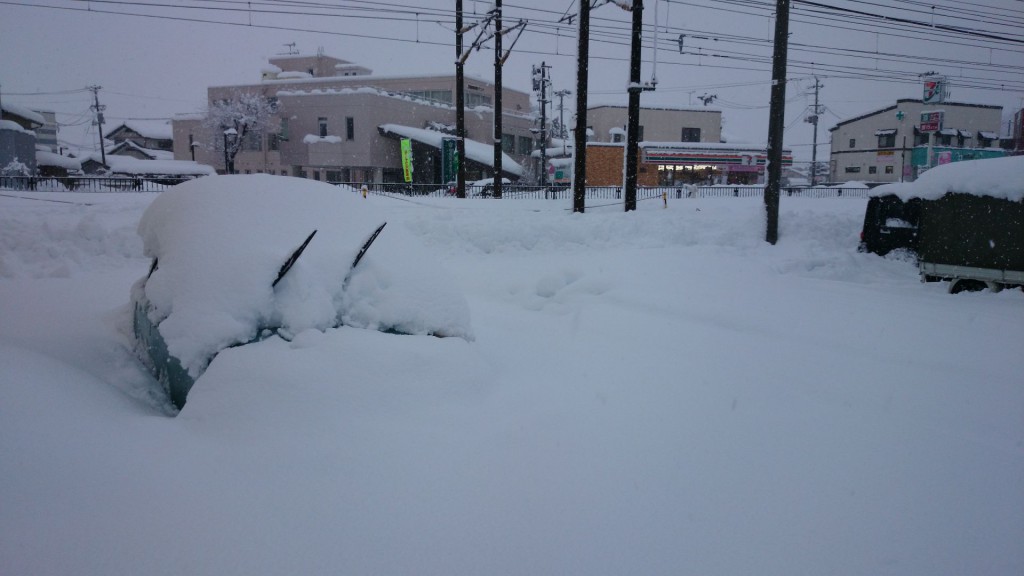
899	142
608	124
331	117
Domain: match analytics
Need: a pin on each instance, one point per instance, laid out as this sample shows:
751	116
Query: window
872	169
525	145
691	135
618	137
316	175
323	126
853	143
333	176
436	95
473	100
640	133
887	140
921	138
945	140
888	170
282	133
273	142
350	128
853	169
508	143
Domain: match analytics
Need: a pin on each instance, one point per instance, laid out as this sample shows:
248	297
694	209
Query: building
145	136
18	139
608	124
899	142
329	115
677	163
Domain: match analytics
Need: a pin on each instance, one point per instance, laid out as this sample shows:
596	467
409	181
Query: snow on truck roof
995	177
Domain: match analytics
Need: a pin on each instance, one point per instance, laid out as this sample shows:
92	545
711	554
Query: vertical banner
449	160
407	159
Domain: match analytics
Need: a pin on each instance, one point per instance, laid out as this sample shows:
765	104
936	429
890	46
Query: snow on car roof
220	242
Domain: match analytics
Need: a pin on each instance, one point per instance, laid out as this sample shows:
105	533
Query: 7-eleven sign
934	90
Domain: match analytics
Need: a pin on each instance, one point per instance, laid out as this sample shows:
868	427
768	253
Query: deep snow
659	392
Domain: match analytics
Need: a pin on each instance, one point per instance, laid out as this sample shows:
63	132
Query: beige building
329	118
608	124
899	142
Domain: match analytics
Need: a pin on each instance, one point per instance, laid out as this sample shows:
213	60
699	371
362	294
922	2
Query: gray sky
158	61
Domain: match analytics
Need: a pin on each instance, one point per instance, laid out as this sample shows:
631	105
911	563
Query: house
144	135
901	141
328	119
18	139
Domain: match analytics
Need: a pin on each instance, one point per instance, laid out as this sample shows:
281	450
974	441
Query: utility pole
460	105
561	94
776	121
98	122
633	112
814	120
579	182
540	81
497	98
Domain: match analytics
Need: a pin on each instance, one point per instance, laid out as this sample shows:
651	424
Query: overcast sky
158	61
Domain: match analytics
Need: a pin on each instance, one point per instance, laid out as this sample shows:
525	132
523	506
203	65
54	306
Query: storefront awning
988	135
948	132
966	133
885	132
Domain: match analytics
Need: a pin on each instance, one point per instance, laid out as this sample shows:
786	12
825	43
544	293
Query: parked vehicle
965	222
890	224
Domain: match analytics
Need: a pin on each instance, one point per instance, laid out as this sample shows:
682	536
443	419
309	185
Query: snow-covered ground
659	392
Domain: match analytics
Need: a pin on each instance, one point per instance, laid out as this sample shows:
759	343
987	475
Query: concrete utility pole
98	122
561	94
460	105
497	98
776	121
541	83
579	178
814	120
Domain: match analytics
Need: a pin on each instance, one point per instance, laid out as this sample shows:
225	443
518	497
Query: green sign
407	159
449	160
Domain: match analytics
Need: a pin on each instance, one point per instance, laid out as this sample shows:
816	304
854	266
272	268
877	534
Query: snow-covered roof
13	126
23	112
885	132
135	167
44	158
988	135
151	153
475	151
314	139
156	130
996	177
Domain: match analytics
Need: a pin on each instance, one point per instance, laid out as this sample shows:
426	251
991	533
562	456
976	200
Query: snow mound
220	242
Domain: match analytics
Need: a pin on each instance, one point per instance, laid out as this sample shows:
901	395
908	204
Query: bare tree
232	122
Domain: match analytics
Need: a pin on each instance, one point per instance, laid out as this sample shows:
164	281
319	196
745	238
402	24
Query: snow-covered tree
232	122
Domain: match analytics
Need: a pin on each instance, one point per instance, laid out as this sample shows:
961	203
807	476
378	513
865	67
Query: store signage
407	159
931	121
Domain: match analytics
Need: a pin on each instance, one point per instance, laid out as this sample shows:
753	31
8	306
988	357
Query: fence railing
88	184
516	191
509	191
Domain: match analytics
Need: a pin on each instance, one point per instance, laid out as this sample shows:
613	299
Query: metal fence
88	183
517	191
509	191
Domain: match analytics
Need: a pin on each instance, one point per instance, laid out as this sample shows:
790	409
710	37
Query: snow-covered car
239	259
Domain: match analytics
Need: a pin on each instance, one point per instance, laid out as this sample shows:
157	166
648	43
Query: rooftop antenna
292	51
